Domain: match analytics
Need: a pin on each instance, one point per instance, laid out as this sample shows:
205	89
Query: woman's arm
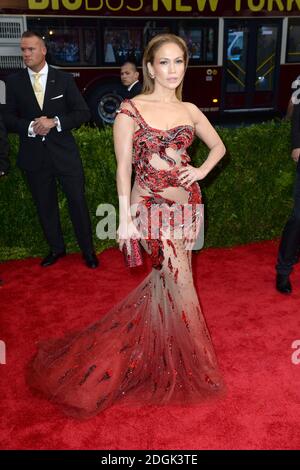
205	131
123	142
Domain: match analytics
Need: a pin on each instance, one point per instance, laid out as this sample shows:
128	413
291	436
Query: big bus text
243	54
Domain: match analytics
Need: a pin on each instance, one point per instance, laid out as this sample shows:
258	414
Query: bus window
122	42
201	40
152	28
68	43
236	60
266	57
293	48
127	42
235	45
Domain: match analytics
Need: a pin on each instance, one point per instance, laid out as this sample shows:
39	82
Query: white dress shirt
132	85
43	81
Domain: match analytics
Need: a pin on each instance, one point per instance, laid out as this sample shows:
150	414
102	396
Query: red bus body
245	54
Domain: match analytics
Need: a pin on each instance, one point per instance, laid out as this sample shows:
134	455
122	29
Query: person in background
43	106
4	161
289	248
130	79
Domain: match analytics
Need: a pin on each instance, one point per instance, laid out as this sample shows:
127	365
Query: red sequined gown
154	346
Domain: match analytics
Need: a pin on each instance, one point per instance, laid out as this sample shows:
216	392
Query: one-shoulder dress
154	347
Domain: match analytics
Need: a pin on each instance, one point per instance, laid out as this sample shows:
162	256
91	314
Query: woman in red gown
154	346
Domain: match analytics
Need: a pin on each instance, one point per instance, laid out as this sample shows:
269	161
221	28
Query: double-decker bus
244	54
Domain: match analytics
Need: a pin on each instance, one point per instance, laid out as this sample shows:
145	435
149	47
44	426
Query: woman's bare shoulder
141	98
195	113
191	107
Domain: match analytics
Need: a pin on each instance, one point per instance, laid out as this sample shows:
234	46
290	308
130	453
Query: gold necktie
38	89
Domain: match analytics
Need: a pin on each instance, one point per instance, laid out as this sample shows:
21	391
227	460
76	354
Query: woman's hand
189	174
125	232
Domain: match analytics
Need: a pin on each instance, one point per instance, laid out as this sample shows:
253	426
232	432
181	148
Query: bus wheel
104	101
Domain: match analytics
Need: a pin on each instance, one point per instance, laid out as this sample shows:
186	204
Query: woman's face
168	66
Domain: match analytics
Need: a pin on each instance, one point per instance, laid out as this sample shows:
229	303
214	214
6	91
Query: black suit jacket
62	99
296	130
4	162
135	90
296	126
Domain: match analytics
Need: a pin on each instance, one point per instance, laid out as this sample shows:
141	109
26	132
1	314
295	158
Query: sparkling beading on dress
154	346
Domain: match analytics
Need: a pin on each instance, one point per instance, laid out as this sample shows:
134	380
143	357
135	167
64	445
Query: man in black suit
289	248
4	161
43	106
130	79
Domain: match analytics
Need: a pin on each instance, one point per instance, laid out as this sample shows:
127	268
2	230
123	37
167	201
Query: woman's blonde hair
149	54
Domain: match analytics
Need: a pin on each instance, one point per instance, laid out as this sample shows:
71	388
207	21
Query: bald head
33	50
129	73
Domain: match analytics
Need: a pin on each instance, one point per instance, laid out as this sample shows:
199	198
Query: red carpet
252	327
